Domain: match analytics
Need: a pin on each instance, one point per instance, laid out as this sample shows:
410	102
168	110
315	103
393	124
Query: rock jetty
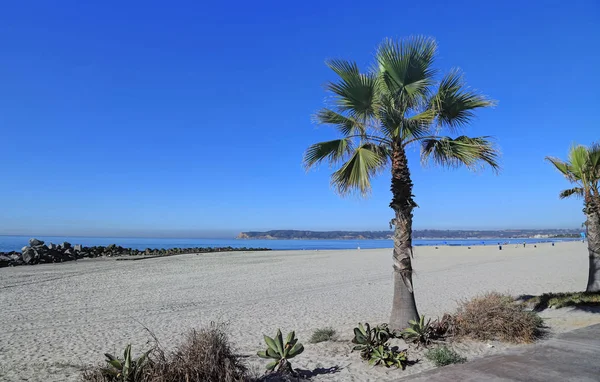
38	252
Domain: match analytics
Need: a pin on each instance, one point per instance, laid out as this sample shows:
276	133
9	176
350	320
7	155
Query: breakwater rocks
37	252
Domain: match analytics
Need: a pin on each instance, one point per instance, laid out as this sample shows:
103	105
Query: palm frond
355	175
561	166
577	191
594	163
343	68
461	151
355	93
345	125
334	152
579	162
406	69
454	104
418	125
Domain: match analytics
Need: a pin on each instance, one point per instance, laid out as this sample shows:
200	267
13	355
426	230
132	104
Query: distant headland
417	234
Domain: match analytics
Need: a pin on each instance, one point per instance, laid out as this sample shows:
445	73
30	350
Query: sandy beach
57	317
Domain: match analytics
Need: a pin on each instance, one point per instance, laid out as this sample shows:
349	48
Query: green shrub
443	355
321	335
281	352
561	300
494	316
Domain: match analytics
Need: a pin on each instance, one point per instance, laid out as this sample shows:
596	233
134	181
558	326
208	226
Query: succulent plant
127	369
419	332
367	338
281	352
388	357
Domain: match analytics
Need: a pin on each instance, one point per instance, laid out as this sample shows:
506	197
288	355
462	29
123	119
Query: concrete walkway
572	356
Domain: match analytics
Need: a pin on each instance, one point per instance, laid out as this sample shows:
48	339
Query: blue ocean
15	243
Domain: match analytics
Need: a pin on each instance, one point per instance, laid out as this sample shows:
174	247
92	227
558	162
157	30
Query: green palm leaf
345	125
355	93
406	69
454	104
355	175
333	151
582	168
461	151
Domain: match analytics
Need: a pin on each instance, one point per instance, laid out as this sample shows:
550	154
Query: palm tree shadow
299	375
307	374
588	308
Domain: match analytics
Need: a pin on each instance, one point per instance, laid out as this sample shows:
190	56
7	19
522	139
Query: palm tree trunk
593	237
404	307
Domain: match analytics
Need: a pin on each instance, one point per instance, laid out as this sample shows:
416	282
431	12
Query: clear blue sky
187	118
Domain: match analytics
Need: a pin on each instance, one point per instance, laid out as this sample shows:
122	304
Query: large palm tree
582	169
382	112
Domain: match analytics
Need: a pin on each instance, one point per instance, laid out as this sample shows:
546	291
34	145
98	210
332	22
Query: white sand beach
57	317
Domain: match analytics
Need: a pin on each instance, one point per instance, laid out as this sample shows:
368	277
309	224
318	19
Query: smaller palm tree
582	169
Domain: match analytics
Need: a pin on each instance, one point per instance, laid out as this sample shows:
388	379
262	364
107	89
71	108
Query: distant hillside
417	234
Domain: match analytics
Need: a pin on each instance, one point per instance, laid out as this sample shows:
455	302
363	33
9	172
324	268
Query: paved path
572	356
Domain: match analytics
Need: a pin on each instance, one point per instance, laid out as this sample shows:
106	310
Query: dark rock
34	242
66	245
5	261
51	246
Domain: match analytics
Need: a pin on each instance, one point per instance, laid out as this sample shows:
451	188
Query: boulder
51	246
66	245
78	247
34	242
28	256
25	248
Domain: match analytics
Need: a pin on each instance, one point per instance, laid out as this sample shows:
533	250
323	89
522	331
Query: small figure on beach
499	247
524	244
553	244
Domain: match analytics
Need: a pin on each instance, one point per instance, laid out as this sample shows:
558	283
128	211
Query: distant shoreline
542	239
513	234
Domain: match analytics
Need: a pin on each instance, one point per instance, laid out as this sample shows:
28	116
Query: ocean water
15	243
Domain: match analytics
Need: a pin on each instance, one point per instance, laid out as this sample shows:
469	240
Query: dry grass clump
204	355
494	316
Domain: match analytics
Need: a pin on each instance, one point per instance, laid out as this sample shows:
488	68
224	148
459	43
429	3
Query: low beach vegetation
443	356
281	352
373	344
494	316
322	335
204	355
561	300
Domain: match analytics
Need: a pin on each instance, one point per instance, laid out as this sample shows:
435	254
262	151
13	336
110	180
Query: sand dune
56	317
